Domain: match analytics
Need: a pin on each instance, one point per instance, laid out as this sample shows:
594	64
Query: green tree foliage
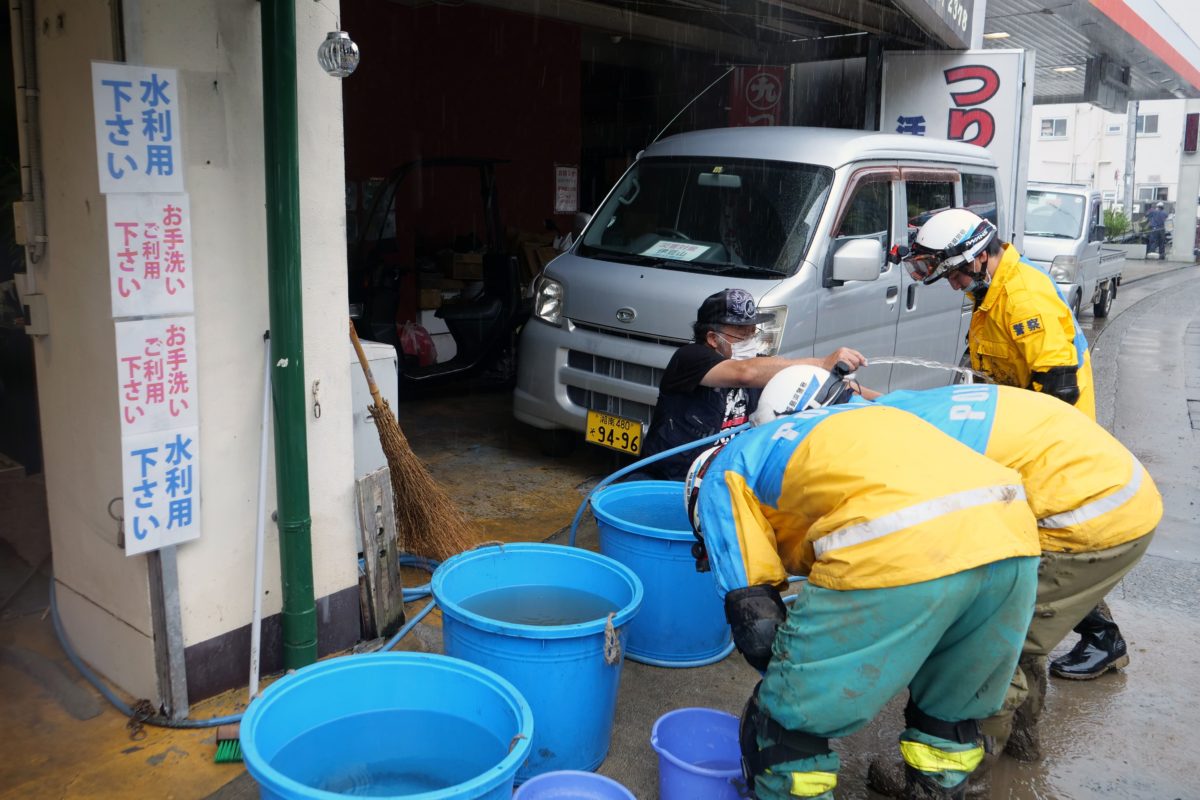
1116	223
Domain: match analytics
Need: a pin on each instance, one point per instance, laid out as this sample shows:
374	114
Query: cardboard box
430	298
461	266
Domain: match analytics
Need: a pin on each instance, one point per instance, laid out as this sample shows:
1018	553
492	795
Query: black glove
754	613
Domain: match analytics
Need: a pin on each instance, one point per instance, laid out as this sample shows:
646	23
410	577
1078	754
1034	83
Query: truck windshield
1054	215
748	217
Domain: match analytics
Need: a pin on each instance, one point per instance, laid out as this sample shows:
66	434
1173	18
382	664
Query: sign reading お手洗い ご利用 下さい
150	254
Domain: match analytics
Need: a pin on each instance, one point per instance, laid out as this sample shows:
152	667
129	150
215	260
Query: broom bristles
428	523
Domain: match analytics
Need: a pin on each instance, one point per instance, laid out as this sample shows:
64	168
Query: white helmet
797	388
950	239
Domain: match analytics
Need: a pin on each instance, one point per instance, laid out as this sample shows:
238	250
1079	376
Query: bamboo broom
427	521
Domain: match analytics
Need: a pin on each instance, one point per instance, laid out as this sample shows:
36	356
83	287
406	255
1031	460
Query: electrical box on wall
1106	84
37	322
1191	128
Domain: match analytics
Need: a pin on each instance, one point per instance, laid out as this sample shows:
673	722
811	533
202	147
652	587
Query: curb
1125	281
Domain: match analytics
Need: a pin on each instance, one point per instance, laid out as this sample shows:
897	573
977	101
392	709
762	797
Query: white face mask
747	348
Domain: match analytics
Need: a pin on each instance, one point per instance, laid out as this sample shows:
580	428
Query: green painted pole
282	154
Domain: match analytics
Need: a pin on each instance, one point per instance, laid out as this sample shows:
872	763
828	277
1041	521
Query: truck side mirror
1099	233
858	260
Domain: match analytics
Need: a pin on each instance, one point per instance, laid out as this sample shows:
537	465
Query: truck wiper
745	270
627	258
1049	235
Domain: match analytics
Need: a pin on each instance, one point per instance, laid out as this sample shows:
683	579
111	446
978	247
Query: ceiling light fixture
1065	69
997	35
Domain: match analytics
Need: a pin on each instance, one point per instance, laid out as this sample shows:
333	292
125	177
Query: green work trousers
840	656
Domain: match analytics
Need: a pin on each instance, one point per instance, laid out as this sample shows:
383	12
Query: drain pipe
24	56
284	289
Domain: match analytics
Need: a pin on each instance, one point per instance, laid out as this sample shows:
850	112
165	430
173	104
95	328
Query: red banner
756	96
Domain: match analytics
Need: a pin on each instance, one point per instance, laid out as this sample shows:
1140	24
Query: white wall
216	46
1089	154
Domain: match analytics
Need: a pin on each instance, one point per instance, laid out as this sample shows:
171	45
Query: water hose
109	695
683	448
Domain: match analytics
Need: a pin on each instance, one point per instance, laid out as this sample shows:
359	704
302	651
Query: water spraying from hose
971	375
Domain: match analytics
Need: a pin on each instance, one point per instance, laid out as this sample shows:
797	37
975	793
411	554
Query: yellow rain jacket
1024	326
1086	489
857	497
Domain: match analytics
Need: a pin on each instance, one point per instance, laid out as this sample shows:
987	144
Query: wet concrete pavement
1128	735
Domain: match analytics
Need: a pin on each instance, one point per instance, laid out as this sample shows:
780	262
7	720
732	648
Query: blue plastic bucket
572	785
563	670
644	525
698	754
402	725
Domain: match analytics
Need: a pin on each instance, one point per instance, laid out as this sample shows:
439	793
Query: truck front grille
598	401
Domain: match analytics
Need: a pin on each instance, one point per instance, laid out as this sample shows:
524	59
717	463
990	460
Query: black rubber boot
919	786
894	778
1099	649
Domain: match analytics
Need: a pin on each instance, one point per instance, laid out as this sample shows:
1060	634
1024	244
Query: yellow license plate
617	433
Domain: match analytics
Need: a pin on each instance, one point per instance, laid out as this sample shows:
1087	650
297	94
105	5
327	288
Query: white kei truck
1064	229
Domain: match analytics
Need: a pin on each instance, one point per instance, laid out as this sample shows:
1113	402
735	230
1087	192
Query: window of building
1151	194
1056	128
1147	125
1108	197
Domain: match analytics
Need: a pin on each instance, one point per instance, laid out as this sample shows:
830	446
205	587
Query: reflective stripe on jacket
857	497
1024	326
1086	489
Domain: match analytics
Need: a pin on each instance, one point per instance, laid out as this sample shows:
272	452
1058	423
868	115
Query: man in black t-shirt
713	382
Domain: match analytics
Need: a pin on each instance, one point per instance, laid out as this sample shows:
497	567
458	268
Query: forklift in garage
383	288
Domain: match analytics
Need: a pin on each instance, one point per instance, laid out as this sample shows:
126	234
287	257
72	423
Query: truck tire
1076	302
557	442
1102	306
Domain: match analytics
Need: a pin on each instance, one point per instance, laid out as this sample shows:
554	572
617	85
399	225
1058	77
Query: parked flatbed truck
1064	231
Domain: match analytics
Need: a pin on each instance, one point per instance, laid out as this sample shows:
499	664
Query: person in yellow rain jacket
1022	334
873	505
1096	505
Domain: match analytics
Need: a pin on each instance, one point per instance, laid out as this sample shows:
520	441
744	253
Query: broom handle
362	359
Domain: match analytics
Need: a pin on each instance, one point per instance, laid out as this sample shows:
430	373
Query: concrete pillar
1186	203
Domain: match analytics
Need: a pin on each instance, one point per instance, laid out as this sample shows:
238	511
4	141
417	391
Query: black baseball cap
730	307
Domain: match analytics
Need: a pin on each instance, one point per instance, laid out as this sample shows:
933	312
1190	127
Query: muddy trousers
840	656
1070	585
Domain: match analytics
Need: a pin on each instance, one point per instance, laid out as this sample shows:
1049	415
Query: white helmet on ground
950	239
797	388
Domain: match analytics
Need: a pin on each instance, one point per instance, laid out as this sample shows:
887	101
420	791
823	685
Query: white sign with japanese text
156	374
138	128
160	479
566	190
981	97
150	254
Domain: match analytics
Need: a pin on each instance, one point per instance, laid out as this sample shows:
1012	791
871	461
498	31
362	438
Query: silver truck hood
1038	248
650	301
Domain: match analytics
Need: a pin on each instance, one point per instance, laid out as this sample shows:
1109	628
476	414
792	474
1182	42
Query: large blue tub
644	525
568	672
403	725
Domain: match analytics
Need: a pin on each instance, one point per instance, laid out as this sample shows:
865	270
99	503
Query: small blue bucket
568	672
698	754
644	525
572	785
401	725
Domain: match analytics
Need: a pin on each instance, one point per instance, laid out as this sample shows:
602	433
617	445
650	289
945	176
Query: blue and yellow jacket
857	497
1086	489
1024	326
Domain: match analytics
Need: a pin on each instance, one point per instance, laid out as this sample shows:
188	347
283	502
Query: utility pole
1131	118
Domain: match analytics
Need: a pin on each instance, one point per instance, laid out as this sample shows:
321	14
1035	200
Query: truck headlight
1064	268
548	301
770	333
